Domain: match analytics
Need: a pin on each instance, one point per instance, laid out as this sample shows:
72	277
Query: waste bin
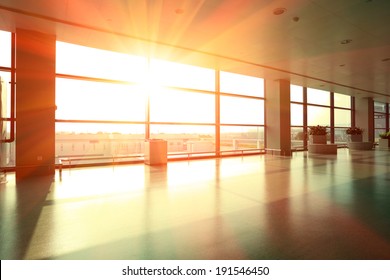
155	152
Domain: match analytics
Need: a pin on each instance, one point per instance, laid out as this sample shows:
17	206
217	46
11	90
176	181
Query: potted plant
355	134
384	140
317	134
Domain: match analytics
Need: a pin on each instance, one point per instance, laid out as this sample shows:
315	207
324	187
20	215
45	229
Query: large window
7	147
318	110
108	103
381	118
241	113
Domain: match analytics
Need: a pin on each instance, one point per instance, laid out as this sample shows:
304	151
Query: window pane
242	137
379	107
340	136
316	96
296	93
97	128
99	140
84	61
6	94
185	138
341	100
7	149
377	132
85	100
318	116
380	120
296	114
297	137
342	118
241	84
169	73
5	48
182	106
236	110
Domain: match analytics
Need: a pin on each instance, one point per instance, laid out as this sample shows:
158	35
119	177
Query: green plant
354	131
318	130
385	135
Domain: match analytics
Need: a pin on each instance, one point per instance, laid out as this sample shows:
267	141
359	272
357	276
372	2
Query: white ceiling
236	35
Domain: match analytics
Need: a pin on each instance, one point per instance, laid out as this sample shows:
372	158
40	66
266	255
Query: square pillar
364	117
35	104
278	117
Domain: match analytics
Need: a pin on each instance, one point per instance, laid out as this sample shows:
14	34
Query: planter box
384	144
360	145
355	138
326	149
317	139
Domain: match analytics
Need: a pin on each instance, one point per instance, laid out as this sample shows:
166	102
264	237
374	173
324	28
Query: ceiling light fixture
279	11
295	19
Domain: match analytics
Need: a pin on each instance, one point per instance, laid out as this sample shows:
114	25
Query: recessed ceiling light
279	11
295	19
346	41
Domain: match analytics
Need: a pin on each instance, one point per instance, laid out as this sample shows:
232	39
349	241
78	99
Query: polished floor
252	207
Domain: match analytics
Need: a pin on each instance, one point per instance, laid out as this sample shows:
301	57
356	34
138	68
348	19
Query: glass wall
7	145
298	119
107	109
311	107
381	118
5	45
241	113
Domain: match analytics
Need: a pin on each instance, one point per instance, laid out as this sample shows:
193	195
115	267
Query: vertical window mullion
353	112
305	135
387	117
332	128
217	114
147	111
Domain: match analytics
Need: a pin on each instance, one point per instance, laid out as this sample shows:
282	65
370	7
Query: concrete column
35	104
277	116
364	117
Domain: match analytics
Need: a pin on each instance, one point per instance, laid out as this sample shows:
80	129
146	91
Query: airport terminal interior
175	130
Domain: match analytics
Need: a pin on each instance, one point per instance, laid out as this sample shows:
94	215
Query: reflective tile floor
252	207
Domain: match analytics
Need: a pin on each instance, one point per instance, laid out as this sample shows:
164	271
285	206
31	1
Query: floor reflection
253	207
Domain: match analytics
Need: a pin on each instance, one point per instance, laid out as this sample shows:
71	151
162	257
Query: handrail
69	159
